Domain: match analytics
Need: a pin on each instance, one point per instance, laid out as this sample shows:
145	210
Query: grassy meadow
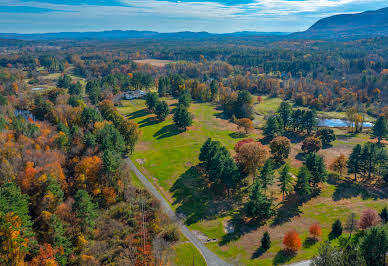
168	158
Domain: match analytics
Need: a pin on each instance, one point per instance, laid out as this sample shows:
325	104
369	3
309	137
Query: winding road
210	258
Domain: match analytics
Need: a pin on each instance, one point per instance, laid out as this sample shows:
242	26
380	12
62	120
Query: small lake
339	123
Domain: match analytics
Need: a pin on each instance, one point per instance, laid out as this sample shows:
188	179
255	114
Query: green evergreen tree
205	150
163	86
75	88
285	112
214	89
273	127
182	118
336	229
110	138
302	186
266	241
354	161
243	107
380	129
316	165
93	90
59	240
111	161
374	246
90	116
384	215
267	174
326	135
285	180
185	99
90	140
310	121
64	81
259	205
162	110
373	159
85	209
151	100
13	200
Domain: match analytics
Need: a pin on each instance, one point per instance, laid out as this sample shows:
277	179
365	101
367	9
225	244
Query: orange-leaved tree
292	241
315	230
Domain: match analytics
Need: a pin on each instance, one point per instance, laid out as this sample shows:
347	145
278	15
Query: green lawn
186	254
167	156
167	153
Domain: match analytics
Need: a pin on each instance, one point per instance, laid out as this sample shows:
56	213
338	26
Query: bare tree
351	224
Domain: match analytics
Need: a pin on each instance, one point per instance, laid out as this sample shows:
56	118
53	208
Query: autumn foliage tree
369	218
292	241
13	245
315	230
311	144
251	155
339	165
241	143
280	148
245	123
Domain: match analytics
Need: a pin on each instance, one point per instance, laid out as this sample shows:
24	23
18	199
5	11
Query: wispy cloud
163	15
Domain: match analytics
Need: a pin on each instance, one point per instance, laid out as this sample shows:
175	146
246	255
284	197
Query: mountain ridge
348	26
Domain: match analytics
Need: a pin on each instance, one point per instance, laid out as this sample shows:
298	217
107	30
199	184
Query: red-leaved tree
292	241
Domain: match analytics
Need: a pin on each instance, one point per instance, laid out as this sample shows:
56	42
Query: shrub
315	230
171	234
336	229
369	218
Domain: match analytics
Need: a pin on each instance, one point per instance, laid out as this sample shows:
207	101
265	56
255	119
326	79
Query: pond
339	123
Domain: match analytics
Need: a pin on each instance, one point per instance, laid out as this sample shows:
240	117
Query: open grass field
185	254
153	62
49	80
168	158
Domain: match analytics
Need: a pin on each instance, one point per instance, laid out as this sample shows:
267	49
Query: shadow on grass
293	136
139	113
290	207
300	156
309	242
327	146
148	122
167	131
241	228
238	135
283	256
288	210
349	189
197	201
258	253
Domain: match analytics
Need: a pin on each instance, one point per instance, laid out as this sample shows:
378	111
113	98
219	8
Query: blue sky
218	16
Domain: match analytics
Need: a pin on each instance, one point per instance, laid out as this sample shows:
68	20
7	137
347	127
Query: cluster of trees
221	170
65	190
367	243
155	105
288	119
369	161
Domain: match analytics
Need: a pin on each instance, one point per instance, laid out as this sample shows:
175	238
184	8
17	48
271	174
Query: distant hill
348	26
130	34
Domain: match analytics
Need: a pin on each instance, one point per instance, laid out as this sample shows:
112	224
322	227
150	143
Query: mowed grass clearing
166	156
166	153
